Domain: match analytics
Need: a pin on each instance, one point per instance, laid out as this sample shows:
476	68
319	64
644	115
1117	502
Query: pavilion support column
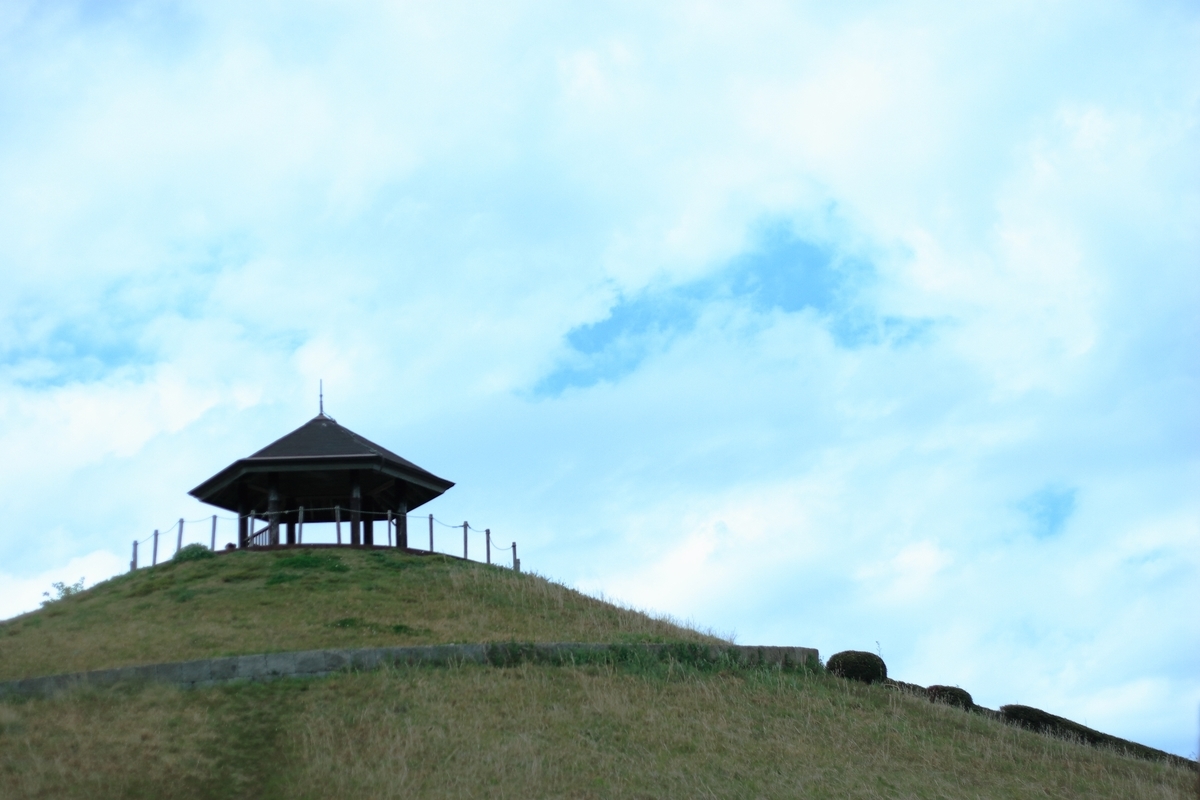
291	531
356	513
273	514
402	525
243	527
368	531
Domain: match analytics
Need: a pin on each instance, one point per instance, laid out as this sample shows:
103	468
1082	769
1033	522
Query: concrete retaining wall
315	663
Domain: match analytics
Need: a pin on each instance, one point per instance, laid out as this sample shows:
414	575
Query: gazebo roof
315	466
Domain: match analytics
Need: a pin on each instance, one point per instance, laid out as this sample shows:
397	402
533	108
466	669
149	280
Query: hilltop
249	601
627	727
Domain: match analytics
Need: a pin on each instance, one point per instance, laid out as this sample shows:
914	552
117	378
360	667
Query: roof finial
321	396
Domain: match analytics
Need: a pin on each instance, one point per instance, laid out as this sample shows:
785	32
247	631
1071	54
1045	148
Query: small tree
62	590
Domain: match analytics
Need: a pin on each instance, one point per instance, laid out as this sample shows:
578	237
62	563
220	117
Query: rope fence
209	531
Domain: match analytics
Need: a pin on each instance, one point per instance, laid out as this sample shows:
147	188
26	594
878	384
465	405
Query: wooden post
516	561
243	527
464	541
487	534
273	514
154	557
355	513
337	517
133	564
431	533
368	530
291	530
213	546
300	529
389	527
402	525
179	541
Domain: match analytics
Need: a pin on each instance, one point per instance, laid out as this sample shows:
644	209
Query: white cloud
20	594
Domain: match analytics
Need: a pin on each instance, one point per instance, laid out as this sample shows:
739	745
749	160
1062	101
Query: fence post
179	541
487	535
389	527
213	546
337	517
464	541
300	529
133	564
431	533
154	556
516	561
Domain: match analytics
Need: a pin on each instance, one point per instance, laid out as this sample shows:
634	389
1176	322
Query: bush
193	552
856	665
62	590
951	696
903	686
1034	719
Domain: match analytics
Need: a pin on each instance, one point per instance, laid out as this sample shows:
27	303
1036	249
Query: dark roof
322	436
316	464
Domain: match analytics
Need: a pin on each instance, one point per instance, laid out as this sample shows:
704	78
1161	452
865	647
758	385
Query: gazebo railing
206	529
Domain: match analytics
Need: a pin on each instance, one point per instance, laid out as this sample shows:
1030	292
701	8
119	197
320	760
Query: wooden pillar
273	511
291	531
355	512
243	539
402	525
368	530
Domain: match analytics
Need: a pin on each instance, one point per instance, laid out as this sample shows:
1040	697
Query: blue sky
859	327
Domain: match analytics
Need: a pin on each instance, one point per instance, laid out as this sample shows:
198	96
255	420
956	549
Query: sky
861	326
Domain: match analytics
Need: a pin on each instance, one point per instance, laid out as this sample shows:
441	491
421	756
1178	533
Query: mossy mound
857	665
951	696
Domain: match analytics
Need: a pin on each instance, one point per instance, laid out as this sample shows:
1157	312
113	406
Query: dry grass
545	731
253	602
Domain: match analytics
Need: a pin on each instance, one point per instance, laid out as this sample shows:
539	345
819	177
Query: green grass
254	602
600	730
617	724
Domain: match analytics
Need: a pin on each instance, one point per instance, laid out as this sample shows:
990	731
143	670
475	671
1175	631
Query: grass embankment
637	727
256	602
617	730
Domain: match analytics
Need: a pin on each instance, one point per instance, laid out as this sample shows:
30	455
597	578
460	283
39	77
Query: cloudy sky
856	326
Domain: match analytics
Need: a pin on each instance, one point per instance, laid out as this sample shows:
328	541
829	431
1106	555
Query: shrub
193	552
910	688
62	590
856	665
951	696
1034	719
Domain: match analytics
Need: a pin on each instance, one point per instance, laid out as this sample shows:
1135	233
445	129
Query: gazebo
320	472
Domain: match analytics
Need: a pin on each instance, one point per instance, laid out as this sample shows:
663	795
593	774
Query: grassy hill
256	602
619	729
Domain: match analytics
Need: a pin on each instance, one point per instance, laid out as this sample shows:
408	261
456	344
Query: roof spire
321	396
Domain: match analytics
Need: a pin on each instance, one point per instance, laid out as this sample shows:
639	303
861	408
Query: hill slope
255	602
627	728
